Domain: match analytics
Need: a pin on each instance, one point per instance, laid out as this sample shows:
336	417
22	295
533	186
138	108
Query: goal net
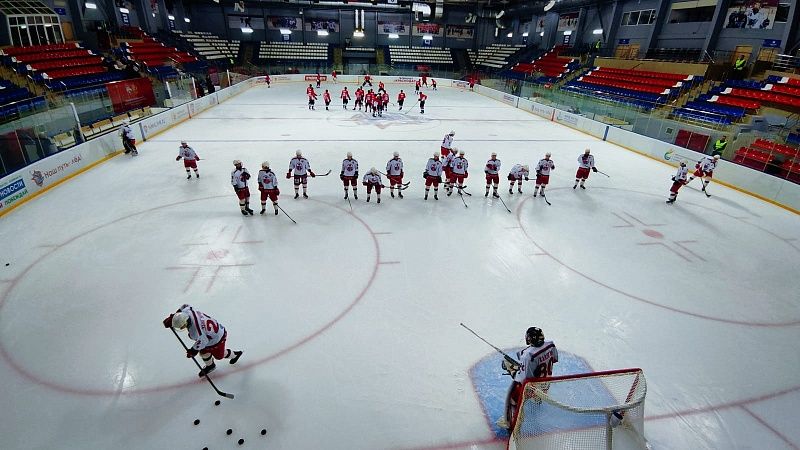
599	410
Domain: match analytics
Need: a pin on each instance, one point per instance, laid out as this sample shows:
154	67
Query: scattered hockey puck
241	441
229	432
264	432
8	264
216	403
205	448
197	421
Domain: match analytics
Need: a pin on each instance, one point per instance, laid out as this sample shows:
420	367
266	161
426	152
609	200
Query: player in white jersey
349	175
239	178
128	139
447	168
492	170
394	171
678	180
301	169
190	159
535	361
543	169
209	337
447	142
268	185
372	180
518	172
705	170
433	176
585	164
460	173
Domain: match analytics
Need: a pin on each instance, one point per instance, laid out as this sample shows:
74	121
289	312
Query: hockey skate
670	201
305	195
400	194
368	199
244	213
236	357
263	210
436	196
276	210
495	194
197	175
391	193
355	195
249	211
189	176
583	187
510	192
207	370
296	195
519	190
379	199
575	186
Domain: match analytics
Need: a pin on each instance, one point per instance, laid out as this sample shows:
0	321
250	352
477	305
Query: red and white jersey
433	168
345	95
422	97
267	78
447	141
545	166
585	161
448	160
299	165
492	166
126	132
682	173
401	96
459	165
239	178
349	167
519	172
203	330
187	153
333	74
319	78
326	96
394	166
310	92
433	82
368	97
359	94
418	84
373	179
267	179
385	98
381	86
536	362
707	164
367	78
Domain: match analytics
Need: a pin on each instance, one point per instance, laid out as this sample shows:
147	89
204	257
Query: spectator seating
551	65
12	111
75	82
158	59
778	92
784	159
675	54
293	51
109	123
210	46
641	100
415	55
495	56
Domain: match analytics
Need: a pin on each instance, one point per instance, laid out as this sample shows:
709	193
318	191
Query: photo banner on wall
289	23
459	32
434	29
130	94
393	27
322	24
752	15
568	21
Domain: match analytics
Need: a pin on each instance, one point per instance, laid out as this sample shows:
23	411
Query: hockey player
401	97
128	139
447	142
359	99
312	97
518	172
433	84
367	80
471	83
379	104
394	171
460	173
349	175
535	361
372	180
678	180
422	98
345	96
209	337
385	100
301	169
585	163
239	178
333	76
267	80
190	159
268	185
705	170
416	87
492	170
447	167
319	80
326	97
368	100
381	86
543	169
433	176
425	79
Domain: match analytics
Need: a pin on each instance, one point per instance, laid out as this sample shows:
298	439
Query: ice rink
350	319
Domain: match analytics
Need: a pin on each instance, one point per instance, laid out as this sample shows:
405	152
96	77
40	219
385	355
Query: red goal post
596	410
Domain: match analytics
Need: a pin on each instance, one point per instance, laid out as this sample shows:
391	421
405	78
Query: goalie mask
534	336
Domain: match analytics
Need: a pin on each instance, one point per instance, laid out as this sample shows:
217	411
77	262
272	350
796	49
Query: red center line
680	244
763	422
666	247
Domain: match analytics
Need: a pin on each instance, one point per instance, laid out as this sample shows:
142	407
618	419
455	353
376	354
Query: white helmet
180	320
586	152
183	142
396	154
265	165
299	153
548	154
684	162
237	162
525	167
349	155
716	156
373	170
494	154
461	152
452	133
435	154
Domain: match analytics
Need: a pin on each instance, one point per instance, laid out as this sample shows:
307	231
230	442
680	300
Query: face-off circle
255	275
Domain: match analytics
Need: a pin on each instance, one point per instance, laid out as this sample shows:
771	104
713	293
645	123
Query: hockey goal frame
612	412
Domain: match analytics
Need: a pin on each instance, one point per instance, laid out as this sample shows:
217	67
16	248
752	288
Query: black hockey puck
241	441
229	432
264	432
197	421
205	448
216	403
8	264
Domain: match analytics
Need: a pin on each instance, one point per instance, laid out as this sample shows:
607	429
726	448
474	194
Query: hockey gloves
594	169
168	322
191	353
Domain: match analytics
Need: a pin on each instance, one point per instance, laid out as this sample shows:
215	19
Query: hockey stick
603	173
545	200
324	174
387	176
462	199
507	358
504	204
412	107
290	217
705	191
351	205
224	394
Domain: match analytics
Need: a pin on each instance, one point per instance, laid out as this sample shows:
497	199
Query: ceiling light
525	34
598	31
427	37
124	11
187	20
90	5
171	17
358	34
286	31
541	34
247	30
394	36
322	32
567	32
510	35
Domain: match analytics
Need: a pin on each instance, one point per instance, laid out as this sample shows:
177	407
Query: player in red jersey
312	97
401	97
422	98
326	97
345	96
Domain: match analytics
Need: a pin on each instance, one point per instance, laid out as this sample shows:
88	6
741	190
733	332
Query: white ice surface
350	321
